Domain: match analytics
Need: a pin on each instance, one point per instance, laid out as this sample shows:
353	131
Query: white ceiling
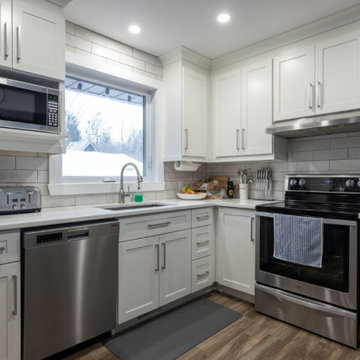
168	24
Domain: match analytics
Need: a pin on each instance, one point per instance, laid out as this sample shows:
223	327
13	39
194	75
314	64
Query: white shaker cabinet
5	33
138	277
185	100
256	108
194	110
236	250
10	311
337	71
175	268
38	38
227	112
294	87
319	75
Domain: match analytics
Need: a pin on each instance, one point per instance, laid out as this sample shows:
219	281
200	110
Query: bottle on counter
230	190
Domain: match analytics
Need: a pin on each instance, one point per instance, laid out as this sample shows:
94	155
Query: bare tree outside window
104	129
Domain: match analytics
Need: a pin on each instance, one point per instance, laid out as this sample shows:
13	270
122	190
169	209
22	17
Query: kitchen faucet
140	179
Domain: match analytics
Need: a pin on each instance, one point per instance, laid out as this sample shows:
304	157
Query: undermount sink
132	206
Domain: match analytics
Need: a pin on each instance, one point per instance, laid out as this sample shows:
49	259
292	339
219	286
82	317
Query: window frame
154	179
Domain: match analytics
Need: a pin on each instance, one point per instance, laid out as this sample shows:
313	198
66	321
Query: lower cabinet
153	271
236	250
10	311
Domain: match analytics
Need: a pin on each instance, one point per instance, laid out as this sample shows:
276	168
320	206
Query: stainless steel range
321	299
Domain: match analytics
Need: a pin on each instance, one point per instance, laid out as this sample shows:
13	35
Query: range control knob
358	183
15	207
302	182
293	182
349	183
22	206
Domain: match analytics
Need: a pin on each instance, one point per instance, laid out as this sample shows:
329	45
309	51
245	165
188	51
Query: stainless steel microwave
28	106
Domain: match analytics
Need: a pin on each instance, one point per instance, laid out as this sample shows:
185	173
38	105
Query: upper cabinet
5	33
185	76
194	112
318	76
33	37
242	110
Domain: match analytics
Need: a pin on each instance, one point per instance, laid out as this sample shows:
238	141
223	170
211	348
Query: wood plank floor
253	337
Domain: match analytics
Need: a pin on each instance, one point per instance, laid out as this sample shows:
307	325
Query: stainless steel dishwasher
69	286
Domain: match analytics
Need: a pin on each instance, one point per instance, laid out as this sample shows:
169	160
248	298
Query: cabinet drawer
201	217
9	246
202	242
202	273
137	227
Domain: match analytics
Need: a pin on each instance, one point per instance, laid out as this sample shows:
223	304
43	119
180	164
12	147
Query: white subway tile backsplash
344	143
31	163
105	52
119	47
334	154
345	165
90	35
79	43
301	156
314	145
354	153
7	162
131	61
18	176
90	199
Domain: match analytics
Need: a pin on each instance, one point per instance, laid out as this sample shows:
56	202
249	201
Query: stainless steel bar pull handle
7	40
243	139
206	273
202	218
15	309
159	225
186	139
318	94
237	139
157	250
311	96
202	243
18	42
252	229
163	246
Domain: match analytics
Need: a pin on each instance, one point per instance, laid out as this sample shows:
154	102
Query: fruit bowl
196	196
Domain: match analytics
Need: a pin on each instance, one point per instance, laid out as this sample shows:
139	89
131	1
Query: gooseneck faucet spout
139	180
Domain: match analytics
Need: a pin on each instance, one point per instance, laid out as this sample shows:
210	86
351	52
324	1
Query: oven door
335	282
25	106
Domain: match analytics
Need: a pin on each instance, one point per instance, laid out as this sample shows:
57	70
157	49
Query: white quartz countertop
71	214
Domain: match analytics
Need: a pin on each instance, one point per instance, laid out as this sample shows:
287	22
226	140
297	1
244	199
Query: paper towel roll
186	166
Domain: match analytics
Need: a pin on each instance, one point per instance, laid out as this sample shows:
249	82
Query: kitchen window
105	128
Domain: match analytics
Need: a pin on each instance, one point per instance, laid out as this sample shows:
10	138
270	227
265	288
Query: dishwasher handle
77	234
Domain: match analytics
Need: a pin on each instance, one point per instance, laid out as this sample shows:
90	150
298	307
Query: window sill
99	188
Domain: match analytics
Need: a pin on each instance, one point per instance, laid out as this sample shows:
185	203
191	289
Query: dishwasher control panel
19	200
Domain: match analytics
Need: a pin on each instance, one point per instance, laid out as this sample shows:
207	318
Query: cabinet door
39	38
256	108
227	90
175	259
236	250
5	33
338	72
194	94
294	75
10	311
138	277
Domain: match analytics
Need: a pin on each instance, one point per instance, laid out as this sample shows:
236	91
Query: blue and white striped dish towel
298	239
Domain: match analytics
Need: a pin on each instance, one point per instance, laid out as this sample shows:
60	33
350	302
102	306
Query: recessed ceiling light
223	18
134	29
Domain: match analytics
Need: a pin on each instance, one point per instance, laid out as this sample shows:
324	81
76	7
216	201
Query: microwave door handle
6	39
18	42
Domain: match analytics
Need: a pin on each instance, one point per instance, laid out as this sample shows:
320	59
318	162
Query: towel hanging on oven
298	239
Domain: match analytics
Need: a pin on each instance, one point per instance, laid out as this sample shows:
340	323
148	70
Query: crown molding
311	29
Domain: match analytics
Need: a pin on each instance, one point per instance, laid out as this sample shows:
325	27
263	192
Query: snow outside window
106	129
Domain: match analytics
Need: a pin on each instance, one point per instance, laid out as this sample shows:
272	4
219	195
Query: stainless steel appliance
29	106
19	199
323	300
69	286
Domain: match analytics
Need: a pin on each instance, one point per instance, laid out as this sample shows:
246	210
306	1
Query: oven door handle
312	304
326	221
